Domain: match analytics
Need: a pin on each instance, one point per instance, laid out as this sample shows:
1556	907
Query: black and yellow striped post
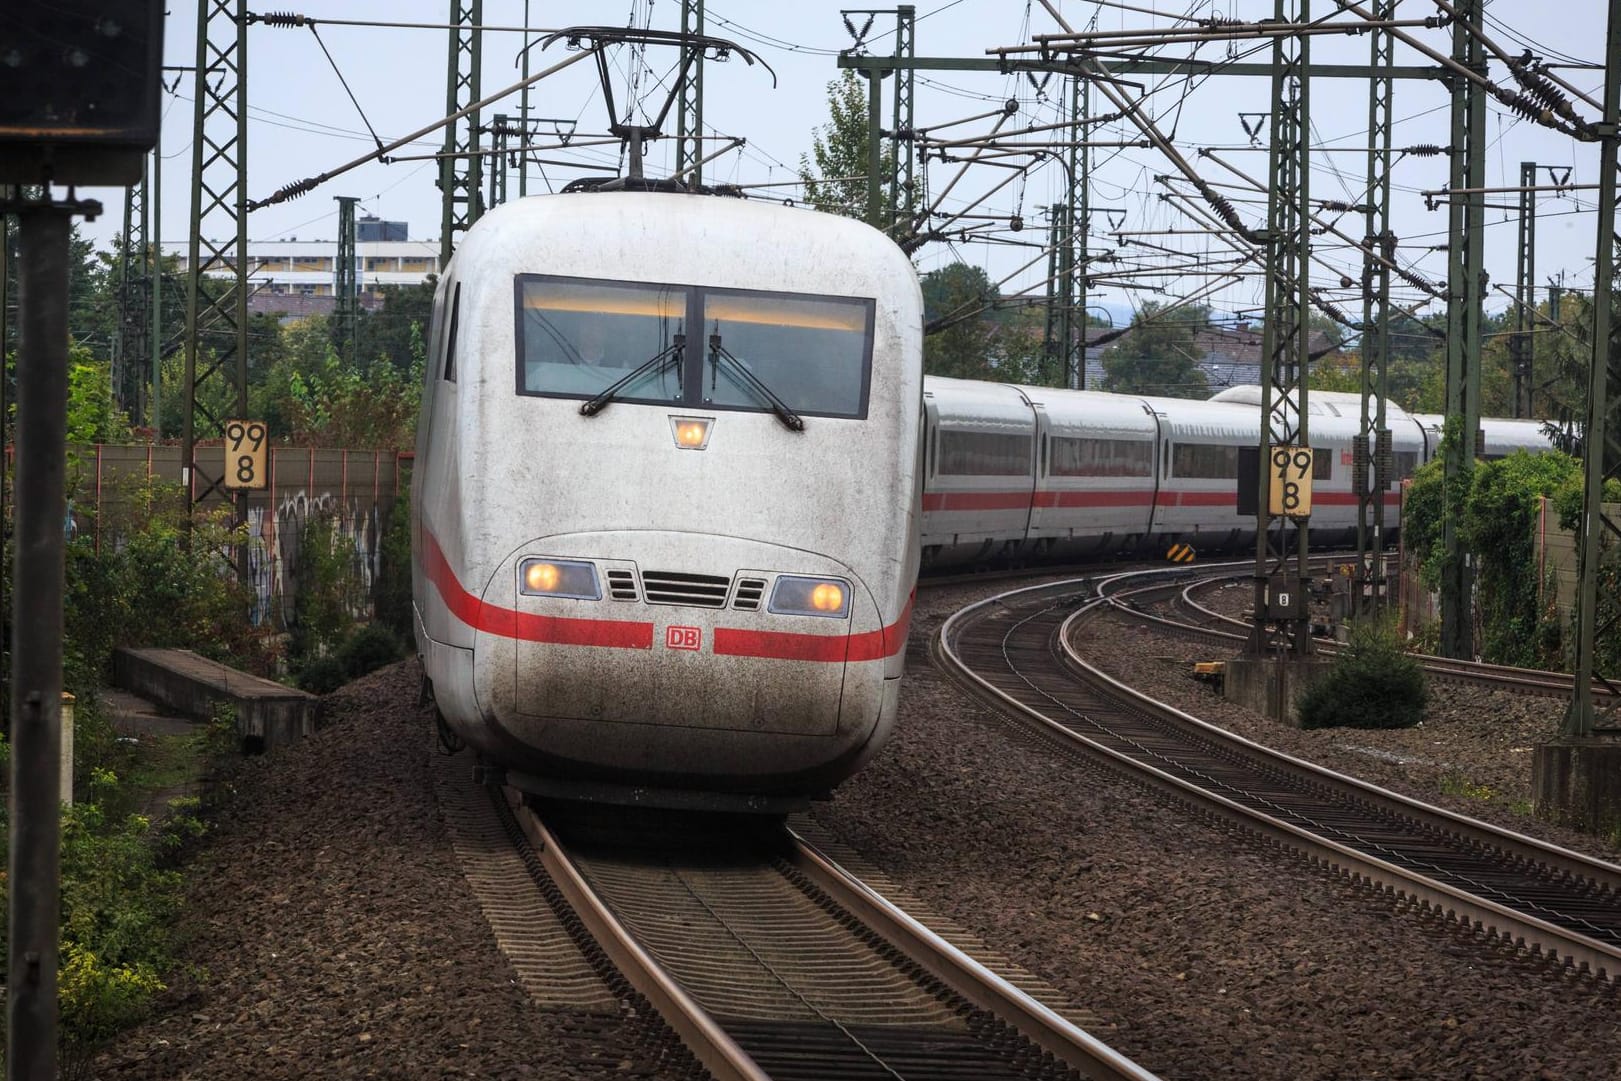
1181	553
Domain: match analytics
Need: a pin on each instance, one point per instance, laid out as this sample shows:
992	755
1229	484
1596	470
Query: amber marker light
691	433
541	577
827	597
797	595
574	579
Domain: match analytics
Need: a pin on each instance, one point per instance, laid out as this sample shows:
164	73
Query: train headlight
559	578
691	433
796	596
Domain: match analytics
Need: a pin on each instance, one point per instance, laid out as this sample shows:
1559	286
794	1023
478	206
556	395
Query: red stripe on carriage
508	623
624	634
789	646
976	501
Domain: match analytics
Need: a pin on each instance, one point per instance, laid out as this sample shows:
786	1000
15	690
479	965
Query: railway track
1013	651
1174	605
764	958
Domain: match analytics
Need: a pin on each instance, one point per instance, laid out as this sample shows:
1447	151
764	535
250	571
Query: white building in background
299	277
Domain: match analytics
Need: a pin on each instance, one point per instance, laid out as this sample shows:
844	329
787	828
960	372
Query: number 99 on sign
1290	490
245	454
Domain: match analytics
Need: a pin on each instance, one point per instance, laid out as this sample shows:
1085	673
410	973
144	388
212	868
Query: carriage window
1406	463
984	454
579	337
1204	461
1322	465
1073	457
450	337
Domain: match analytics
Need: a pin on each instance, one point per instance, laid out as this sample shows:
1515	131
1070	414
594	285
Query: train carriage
643	571
979	455
1196	501
1096	481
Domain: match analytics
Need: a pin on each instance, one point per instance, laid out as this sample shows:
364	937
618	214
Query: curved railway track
1013	650
1188	616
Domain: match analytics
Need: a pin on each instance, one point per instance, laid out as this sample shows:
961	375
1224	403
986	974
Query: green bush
323	675
391	592
141	587
368	649
326	592
1374	683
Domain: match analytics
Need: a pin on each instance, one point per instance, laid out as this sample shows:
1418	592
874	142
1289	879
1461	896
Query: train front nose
688	655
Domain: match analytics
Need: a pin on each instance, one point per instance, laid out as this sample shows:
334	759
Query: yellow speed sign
1290	490
245	453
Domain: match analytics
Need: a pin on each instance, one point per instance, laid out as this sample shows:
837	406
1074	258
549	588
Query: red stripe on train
636	634
526	626
788	646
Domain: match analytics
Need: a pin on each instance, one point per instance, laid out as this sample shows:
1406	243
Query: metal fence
354	490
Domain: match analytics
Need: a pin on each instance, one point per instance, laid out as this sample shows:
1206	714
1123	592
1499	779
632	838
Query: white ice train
1033	473
666	496
674	458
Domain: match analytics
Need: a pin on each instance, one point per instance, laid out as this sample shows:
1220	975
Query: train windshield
810	351
577	338
787	353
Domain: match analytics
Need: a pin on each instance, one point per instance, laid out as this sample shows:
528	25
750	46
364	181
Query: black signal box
79	89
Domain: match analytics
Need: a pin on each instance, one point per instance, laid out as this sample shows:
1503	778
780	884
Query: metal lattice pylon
461	171
1372	469
1284	339
689	139
130	347
217	368
1465	243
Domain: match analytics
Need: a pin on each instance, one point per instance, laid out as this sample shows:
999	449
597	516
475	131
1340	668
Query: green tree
1159	354
1338	372
835	171
395	332
958	300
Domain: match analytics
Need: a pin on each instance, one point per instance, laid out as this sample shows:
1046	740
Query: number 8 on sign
245	454
1290	493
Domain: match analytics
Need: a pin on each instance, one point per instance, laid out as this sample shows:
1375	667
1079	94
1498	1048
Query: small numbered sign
246	453
1290	492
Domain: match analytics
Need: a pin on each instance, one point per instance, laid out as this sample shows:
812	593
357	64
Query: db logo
683	638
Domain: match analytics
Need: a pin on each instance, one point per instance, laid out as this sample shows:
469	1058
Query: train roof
1502	435
685	238
1098	414
975	401
1319	403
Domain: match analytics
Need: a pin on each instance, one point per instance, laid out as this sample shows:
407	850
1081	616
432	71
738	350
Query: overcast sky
303	123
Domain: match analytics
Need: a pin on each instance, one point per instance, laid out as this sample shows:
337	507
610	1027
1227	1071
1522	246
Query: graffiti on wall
276	563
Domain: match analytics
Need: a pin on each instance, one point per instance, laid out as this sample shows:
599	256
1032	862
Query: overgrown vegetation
1497	504
366	649
1373	683
140	586
120	887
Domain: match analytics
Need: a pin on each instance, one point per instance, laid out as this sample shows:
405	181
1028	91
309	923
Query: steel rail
708	1042
1457	904
1504	677
962	974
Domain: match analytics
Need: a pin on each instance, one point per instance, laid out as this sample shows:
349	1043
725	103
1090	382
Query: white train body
1032	473
679	598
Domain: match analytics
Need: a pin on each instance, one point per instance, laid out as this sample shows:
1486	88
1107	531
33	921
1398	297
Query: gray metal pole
523	110
875	135
1580	720
1465	227
155	324
36	655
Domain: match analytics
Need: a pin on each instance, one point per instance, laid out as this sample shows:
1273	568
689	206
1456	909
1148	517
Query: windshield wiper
789	418
655	364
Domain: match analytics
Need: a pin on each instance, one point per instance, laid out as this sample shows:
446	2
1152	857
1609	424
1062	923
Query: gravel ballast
332	935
